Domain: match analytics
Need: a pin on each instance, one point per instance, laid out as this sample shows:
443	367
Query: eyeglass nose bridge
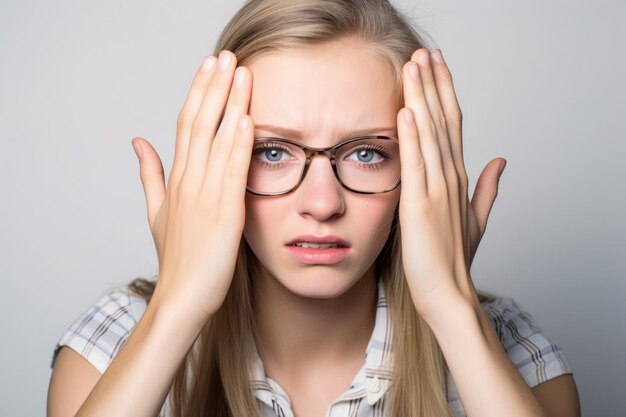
312	153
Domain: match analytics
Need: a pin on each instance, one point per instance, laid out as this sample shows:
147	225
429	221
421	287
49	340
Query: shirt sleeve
99	333
536	355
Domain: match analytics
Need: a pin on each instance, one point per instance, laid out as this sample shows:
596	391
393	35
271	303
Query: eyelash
274	145
379	149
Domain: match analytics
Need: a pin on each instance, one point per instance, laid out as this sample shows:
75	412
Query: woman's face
323	94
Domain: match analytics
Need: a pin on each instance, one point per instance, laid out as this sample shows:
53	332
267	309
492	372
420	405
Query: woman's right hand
197	222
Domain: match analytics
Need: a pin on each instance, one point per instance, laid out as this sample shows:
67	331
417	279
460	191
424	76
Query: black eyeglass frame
330	153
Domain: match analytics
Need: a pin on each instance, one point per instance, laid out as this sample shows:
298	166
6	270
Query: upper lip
319	239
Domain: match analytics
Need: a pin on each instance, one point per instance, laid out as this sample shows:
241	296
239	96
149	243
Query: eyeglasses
365	164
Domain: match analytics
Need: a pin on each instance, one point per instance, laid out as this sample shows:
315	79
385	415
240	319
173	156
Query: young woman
314	240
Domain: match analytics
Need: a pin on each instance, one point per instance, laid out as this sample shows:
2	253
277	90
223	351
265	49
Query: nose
320	195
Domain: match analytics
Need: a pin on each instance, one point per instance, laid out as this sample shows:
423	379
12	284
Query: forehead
324	92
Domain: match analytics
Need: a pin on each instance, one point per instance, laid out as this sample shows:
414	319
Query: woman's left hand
441	230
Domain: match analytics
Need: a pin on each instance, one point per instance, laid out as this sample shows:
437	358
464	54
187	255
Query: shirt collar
372	380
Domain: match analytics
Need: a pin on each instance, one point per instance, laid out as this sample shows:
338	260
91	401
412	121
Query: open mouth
311	245
326	250
319	242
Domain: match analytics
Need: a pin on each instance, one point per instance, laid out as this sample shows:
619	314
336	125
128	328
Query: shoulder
536	355
101	330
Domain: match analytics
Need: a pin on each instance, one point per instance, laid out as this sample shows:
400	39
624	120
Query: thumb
151	174
486	191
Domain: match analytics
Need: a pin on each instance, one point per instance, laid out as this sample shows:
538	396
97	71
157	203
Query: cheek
380	211
250	228
262	215
375	218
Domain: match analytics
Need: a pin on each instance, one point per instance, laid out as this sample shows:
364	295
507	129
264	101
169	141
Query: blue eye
365	155
273	155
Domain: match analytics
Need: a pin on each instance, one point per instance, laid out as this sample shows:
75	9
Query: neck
296	332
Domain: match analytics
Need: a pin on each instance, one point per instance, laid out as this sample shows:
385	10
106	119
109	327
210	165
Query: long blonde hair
213	381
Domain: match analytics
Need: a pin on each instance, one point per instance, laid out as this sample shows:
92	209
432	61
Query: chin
316	281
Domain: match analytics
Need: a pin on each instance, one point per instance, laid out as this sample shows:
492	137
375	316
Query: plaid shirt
99	333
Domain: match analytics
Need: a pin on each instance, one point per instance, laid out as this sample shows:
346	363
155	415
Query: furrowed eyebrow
297	135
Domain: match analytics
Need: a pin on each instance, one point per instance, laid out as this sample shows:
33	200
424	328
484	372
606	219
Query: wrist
446	308
448	301
456	312
179	310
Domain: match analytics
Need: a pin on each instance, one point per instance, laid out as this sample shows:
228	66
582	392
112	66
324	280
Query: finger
236	170
152	178
486	192
187	115
457	215
209	115
452	113
429	147
453	118
412	166
221	149
422	57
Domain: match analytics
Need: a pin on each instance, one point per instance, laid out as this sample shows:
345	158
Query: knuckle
184	120
223	80
144	181
429	83
174	177
188	187
463	182
440	194
455	121
201	126
454	125
447	76
440	121
452	177
219	146
431	129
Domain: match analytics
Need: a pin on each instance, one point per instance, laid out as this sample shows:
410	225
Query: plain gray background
539	82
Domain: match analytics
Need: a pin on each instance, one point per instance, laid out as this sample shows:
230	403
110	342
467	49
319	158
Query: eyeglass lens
366	165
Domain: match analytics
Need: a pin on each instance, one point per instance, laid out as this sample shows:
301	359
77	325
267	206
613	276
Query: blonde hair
214	378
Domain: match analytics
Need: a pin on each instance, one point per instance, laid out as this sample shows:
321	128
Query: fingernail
437	56
408	115
502	165
413	70
224	60
423	59
137	148
240	77
208	63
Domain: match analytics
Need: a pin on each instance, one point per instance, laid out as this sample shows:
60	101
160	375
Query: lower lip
328	256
